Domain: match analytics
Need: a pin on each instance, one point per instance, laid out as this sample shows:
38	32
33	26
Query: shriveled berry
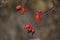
29	30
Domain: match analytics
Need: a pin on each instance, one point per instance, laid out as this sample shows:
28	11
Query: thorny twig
48	11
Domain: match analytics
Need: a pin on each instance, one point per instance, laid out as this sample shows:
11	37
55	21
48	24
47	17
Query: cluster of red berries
37	14
30	29
19	7
37	17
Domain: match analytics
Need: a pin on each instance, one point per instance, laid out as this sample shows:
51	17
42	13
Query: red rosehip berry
38	16
23	10
33	31
27	26
18	7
